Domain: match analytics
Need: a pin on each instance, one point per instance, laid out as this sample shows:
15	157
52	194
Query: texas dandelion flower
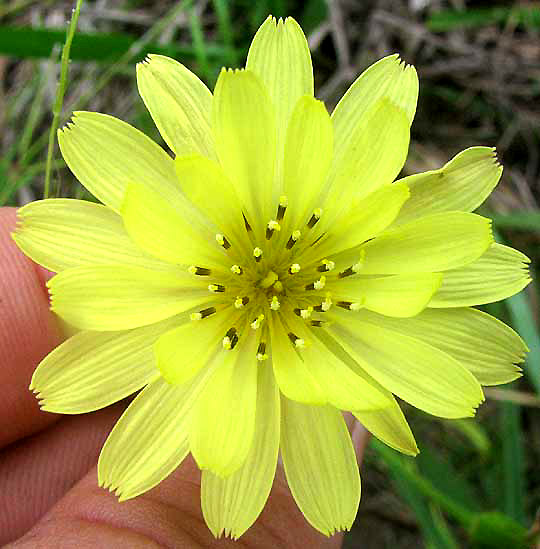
267	277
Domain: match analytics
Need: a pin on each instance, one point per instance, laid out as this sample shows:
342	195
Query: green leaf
26	42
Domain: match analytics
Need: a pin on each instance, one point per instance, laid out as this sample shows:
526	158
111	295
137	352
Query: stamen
349	305
297	341
353	269
274	304
217	288
222	241
314	218
200	271
326	266
317	323
236	269
317	285
261	352
257	254
324	306
246	224
203	313
294	268
271	227
241	301
256	324
304	313
231	339
293	238
283	203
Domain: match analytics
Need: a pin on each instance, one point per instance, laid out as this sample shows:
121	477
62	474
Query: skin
49	495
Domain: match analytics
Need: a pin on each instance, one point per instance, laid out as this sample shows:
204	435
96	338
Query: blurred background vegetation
479	68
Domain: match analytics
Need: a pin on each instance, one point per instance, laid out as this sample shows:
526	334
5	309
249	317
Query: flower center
274	271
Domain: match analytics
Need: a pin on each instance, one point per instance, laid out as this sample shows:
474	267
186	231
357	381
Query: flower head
269	276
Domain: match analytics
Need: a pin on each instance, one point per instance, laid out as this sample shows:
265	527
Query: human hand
49	495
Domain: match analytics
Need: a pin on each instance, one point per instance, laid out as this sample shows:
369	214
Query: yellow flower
269	276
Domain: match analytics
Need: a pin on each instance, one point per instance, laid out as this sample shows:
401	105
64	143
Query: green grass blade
59	101
513	462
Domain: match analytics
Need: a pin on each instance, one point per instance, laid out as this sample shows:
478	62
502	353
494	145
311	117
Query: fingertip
28	331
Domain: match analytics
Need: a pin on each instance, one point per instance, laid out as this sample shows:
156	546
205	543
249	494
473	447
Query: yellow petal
400	295
223	420
184	350
105	298
206	185
308	153
55	233
279	55
320	465
497	274
92	370
371	158
150	439
421	374
367	218
343	388
390	78
106	154
391	427
166	232
437	242
179	103
293	375
243	123
460	185
387	82
484	345
387	424
231	505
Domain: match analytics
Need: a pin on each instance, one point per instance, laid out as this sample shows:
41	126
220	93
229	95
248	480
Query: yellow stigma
296	235
195	316
327	303
227	344
300	343
274	304
306	313
236	269
256	324
294	268
273	225
319	284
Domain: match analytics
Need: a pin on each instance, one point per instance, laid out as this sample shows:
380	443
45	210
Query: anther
257	254
314	218
274	304
304	313
236	269
217	288
203	313
256	324
347	272
271	227
326	266
230	339
222	241
261	352
283	202
294	268
241	301
246	224
349	305
293	238
317	323
200	271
